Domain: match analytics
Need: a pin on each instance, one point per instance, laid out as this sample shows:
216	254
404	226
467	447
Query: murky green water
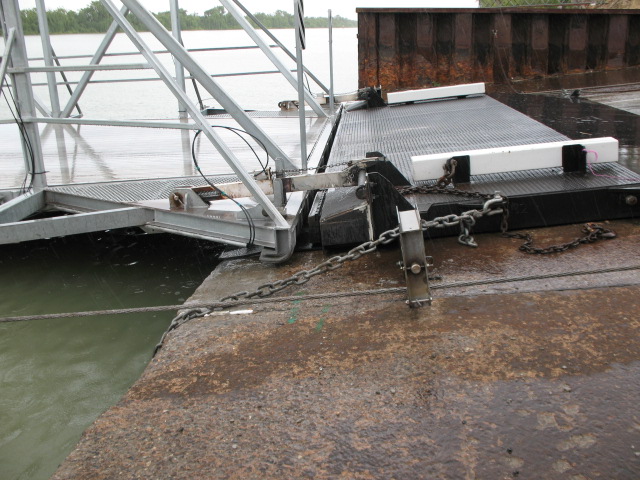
56	376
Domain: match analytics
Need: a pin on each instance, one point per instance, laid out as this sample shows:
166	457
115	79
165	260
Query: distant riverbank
94	18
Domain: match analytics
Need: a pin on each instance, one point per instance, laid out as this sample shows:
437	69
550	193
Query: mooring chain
465	220
593	231
303	276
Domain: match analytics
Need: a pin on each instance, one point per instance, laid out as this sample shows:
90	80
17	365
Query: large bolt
631	200
416	268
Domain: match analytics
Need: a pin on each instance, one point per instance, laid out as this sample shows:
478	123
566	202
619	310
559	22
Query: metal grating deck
403	131
138	190
537	197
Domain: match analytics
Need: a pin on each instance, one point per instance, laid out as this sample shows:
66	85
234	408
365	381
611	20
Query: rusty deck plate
520	380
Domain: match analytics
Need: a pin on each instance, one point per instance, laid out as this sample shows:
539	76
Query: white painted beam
436	93
516	158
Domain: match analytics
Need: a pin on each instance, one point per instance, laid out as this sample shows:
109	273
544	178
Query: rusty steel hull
402	49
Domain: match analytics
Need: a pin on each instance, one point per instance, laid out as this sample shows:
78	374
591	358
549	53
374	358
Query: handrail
157	52
83	68
155	79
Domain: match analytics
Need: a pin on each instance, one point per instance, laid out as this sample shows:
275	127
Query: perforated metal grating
138	190
403	131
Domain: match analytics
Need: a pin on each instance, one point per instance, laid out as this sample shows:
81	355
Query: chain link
593	233
303	276
466	220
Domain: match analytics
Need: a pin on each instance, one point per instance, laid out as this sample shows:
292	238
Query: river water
57	376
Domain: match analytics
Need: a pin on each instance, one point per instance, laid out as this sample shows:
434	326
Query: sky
313	8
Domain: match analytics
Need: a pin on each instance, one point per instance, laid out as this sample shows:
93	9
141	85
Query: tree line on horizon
95	18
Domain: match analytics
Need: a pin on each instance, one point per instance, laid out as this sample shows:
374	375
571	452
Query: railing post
299	14
176	31
43	25
331	99
21	83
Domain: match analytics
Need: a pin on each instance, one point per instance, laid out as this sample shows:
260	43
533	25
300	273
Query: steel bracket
414	262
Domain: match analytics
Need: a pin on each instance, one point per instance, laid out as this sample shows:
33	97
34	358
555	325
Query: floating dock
523	366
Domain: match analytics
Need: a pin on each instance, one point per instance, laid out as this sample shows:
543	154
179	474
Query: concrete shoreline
535	379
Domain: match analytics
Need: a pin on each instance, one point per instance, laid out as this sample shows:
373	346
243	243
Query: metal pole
97	57
266	49
255	20
331	99
197	116
177	34
203	78
43	25
8	45
31	148
299	14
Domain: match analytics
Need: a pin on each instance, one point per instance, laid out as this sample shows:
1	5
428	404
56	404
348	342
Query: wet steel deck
526	380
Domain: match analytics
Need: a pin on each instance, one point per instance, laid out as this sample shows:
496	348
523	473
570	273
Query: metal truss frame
275	232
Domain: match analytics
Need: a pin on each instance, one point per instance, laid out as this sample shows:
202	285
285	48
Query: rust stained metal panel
521	45
425	49
502	70
539	44
417	48
577	54
633	42
463	64
408	75
482	49
618	30
444	48
597	42
387	51
367	50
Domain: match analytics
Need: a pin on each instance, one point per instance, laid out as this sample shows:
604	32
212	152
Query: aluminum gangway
257	219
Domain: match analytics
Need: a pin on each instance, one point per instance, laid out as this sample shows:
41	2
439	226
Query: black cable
252	228
17	117
237	131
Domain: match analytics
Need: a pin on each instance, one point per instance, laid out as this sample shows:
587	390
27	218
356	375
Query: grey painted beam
45	39
255	20
176	31
115	123
7	53
21	207
74	224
